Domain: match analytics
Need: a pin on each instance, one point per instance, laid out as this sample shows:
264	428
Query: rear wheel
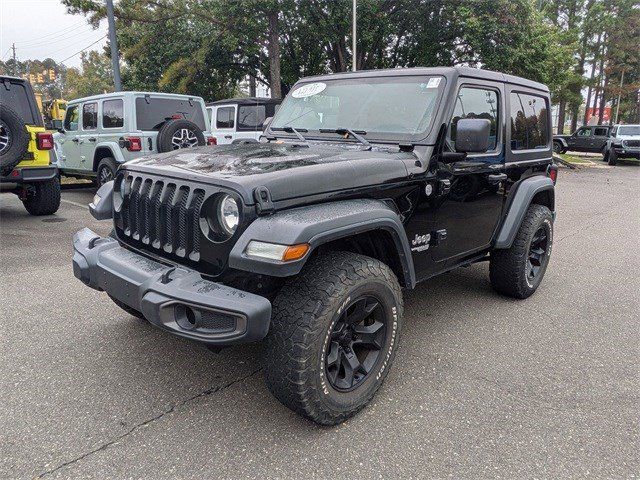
333	336
106	171
43	198
518	270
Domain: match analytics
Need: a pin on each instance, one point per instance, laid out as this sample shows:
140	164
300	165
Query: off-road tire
18	139
44	198
304	313
558	147
107	164
605	154
170	127
131	311
613	157
508	267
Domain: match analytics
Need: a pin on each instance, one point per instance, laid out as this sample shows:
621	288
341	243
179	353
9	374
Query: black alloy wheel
105	175
5	137
355	346
537	252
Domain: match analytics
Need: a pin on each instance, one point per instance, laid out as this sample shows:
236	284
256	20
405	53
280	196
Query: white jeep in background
623	142
240	120
101	132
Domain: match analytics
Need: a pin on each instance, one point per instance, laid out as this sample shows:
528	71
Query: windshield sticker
309	90
433	82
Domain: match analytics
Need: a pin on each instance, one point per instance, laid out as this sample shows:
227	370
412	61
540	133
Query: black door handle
228	136
497	178
92	139
75	140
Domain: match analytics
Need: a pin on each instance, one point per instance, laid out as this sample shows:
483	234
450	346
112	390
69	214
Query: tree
96	76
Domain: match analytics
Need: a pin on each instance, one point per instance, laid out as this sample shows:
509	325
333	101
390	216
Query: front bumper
627	152
21	175
175	299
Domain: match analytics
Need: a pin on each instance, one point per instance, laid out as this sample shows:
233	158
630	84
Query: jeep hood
288	170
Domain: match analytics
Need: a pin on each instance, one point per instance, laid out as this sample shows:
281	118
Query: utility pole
13	47
115	57
353	34
619	95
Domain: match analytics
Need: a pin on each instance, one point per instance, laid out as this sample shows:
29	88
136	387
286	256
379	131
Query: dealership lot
483	386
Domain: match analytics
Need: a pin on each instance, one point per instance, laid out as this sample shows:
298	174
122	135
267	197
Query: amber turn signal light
295	252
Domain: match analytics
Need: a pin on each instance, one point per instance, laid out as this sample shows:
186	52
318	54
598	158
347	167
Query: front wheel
43	198
518	270
613	157
333	336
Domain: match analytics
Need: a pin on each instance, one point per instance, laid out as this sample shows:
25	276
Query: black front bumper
30	175
175	299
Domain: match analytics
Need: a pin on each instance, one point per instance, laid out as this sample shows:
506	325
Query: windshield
631	130
381	107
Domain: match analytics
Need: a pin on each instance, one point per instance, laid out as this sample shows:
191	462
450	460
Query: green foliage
95	77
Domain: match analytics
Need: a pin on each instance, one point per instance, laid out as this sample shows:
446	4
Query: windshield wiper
348	131
295	131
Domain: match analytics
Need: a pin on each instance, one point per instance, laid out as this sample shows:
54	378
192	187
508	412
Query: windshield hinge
405	146
264	204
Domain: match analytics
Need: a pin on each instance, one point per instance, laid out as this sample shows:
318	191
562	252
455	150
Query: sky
43	28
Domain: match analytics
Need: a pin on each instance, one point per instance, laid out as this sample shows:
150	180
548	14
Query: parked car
624	142
586	139
100	133
367	183
240	119
25	166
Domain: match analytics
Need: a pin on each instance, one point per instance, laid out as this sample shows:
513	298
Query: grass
577	159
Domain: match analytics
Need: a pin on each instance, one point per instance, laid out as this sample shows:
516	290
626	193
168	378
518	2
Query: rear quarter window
16	96
529	121
152	112
251	117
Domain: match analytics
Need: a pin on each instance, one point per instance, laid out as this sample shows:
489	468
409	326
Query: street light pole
353	35
115	58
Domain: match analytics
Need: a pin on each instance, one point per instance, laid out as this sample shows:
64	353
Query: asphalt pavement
483	386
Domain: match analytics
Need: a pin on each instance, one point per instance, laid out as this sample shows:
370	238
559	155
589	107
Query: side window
614	131
251	117
584	132
224	117
90	116
113	113
601	132
476	103
71	119
529	122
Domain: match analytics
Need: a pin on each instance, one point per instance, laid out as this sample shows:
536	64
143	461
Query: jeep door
225	124
599	140
583	140
89	135
69	141
471	189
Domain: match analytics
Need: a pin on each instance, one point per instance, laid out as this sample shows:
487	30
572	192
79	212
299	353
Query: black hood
288	170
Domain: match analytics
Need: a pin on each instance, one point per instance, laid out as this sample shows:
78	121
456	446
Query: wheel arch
369	227
538	190
104	150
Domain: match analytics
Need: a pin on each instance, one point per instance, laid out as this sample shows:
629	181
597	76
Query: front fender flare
316	225
525	190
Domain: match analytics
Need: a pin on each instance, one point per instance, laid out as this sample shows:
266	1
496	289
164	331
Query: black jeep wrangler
364	184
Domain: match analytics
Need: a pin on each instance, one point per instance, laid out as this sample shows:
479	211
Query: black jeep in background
585	139
364	184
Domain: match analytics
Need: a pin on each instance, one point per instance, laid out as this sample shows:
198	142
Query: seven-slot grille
163	215
631	143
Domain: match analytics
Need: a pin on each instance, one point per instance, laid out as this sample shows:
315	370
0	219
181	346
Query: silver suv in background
240	120
101	132
624	142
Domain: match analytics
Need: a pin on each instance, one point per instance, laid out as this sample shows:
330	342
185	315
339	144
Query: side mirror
472	135
57	125
266	123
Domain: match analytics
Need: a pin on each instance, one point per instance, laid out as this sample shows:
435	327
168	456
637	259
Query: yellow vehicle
25	166
51	109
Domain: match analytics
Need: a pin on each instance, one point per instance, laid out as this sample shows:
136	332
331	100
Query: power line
58	32
70	45
62	38
80	51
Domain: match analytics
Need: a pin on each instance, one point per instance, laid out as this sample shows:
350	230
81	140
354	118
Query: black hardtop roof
245	101
449	72
13	79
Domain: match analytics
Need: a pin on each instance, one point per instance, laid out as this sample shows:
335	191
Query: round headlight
228	214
